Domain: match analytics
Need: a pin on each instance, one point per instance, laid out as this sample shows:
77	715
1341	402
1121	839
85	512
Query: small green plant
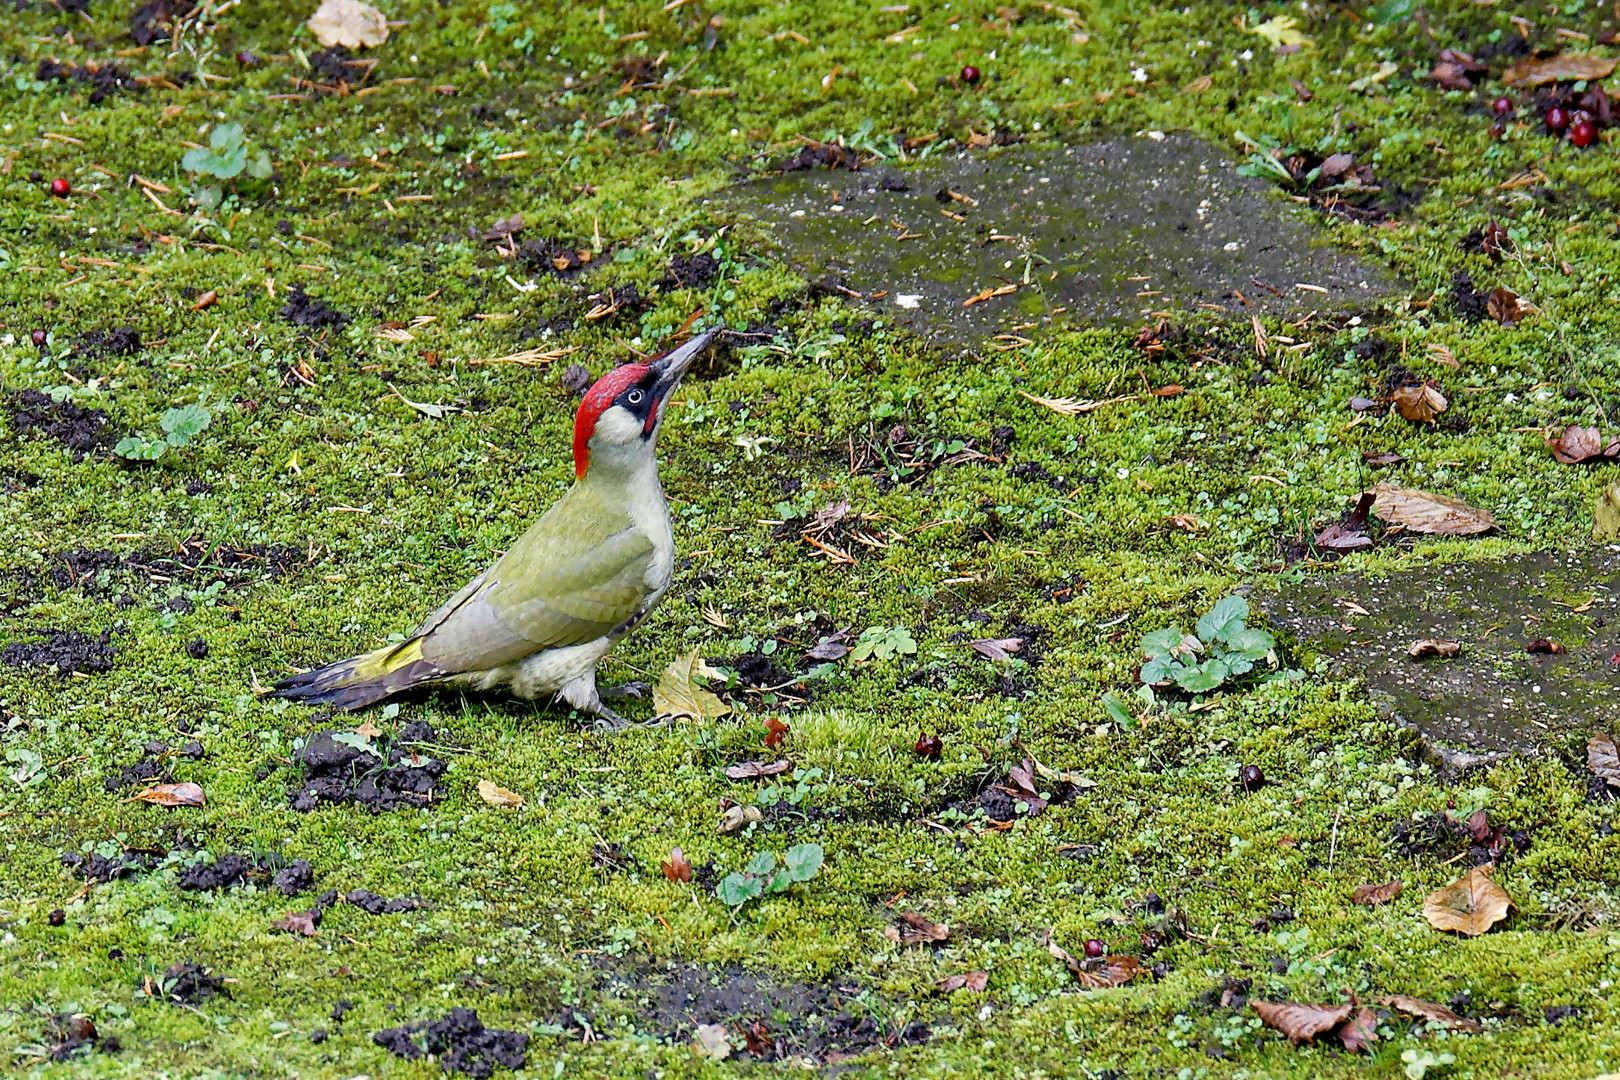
806	782
1419	1062
883	643
227	157
761	876
1228	646
179	427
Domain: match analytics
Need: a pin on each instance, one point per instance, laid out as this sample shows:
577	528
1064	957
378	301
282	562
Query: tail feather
361	680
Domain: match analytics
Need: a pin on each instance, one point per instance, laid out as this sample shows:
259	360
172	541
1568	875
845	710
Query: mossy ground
519	909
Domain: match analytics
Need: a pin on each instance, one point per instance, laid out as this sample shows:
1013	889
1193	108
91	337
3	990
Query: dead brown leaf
1470	905
1376	894
760	1042
1360	1032
1565	67
299	922
1198	85
1505	307
1422	512
754	770
677	868
1577	444
914	928
735	817
1377	458
1432	647
1603	758
187	794
1419	403
1428	1010
997	648
1106	972
1451	76
1335	165
1545	645
348	23
1301	1023
1168	390
775	732
496	795
975	981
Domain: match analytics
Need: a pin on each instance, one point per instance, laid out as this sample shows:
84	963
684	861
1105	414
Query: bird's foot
637	690
609	722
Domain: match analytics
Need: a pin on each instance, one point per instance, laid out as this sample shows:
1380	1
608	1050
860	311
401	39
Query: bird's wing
570	579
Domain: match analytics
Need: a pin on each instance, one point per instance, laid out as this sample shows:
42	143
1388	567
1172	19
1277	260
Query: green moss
394	510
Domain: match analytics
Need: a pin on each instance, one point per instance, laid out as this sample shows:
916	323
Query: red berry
970	74
929	746
1501	106
1583	133
61	188
1557	119
38	338
1095	948
1250	778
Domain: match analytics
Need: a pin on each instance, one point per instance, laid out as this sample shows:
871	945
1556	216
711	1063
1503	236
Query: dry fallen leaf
996	648
753	770
913	928
1565	67
1068	406
1451	76
1577	444
1505	306
735	817
1428	1010
1603	758
1422	512
677	868
678	693
712	1042
975	981
775	732
1545	645
1470	905
1360	1031
1377	458
348	23
1376	894
187	794
1301	1023
1432	647
496	795
1106	972
1420	403
298	922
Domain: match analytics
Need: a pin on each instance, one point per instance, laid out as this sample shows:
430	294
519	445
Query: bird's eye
633	397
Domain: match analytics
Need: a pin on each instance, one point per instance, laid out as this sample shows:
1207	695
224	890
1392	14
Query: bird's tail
361	680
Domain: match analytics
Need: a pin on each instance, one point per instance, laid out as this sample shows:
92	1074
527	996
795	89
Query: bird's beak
672	365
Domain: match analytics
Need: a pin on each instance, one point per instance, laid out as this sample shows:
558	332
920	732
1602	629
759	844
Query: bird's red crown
598	399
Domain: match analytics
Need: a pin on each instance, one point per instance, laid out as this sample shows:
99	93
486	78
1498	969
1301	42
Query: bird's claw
609	722
637	690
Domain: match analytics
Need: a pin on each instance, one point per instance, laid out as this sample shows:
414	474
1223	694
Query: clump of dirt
100	869
69	1035
372	904
1475	838
1470	303
692	271
905	456
820	156
552	256
461	1041
14	480
81	566
195	555
823	1021
336	65
337	772
67	651
1032	472
152	21
617	300
288	877
185	983
104	80
1021	792
302	309
81	430
99	344
153	767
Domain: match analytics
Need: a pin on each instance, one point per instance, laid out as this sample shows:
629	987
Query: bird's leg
636	689
608	721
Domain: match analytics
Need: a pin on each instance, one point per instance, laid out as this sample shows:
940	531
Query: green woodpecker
568	590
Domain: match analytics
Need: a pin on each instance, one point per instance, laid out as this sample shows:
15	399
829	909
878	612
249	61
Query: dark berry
1501	106
970	74
1250	778
1095	948
38	338
929	746
1557	119
247	59
57	917
1583	133
61	188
